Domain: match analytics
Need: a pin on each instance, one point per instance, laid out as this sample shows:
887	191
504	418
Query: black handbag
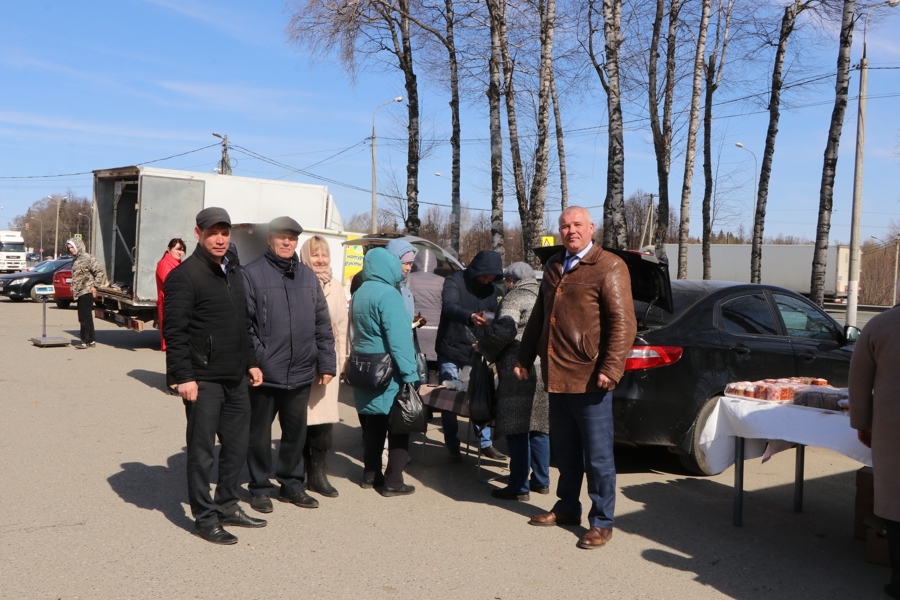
480	393
407	413
421	361
369	371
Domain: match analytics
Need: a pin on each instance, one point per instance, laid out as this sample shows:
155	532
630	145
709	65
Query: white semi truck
12	252
137	210
788	266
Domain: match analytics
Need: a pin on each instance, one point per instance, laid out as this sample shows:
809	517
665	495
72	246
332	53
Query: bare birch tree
714	66
689	154
826	189
368	28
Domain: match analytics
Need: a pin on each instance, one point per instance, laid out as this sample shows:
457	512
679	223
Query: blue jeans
528	453
582	440
449	371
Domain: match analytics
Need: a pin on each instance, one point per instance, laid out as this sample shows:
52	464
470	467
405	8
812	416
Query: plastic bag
407	413
480	393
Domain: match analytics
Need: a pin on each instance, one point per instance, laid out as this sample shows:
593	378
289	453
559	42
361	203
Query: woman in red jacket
170	260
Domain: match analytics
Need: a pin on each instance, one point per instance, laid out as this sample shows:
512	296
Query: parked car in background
62	287
719	332
18	286
446	264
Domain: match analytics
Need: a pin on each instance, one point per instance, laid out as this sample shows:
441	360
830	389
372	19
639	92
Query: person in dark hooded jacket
468	302
294	342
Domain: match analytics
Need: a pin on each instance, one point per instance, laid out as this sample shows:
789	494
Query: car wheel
63	304
695	460
33	294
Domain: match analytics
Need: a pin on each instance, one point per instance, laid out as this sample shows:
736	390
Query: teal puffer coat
380	323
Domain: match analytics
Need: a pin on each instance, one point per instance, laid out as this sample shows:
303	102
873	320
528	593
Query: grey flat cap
518	271
285	224
213	215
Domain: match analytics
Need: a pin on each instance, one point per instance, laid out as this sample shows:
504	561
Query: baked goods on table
813	392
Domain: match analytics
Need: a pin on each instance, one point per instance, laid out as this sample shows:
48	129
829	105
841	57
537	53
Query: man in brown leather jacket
582	326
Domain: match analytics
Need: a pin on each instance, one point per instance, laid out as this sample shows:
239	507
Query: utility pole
225	164
59	204
896	265
856	208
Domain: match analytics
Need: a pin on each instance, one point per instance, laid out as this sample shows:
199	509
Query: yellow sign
353	261
546	241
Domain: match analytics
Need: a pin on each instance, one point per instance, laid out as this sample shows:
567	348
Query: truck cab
12	252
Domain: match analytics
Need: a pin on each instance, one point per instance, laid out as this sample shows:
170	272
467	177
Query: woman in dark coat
522	405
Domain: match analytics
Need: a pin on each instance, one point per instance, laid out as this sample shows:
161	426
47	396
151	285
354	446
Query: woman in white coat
323	399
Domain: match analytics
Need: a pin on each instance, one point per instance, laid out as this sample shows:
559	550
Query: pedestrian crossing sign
546	241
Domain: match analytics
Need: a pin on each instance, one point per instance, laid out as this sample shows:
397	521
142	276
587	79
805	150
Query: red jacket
163	267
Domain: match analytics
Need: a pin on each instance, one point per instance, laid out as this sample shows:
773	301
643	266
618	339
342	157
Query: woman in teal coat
380	322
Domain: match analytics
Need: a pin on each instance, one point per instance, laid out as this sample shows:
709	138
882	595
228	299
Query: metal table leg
738	512
798	478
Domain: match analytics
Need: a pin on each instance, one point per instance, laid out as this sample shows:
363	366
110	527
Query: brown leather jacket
583	323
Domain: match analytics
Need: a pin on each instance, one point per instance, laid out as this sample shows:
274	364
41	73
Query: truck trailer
788	266
137	210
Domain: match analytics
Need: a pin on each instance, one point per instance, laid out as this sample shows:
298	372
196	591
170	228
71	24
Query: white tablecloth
759	421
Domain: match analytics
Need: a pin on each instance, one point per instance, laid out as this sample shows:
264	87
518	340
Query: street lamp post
59	204
374	192
41	250
856	212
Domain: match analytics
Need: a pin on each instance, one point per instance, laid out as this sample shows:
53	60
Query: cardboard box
876	548
865	501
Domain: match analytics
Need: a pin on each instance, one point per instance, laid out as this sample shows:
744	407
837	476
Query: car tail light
648	357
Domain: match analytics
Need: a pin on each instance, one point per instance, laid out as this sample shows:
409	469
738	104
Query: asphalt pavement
94	490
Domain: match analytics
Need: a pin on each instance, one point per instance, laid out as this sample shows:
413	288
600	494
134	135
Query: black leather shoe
403	490
261	504
215	535
493	453
301	499
539	489
509	494
239	518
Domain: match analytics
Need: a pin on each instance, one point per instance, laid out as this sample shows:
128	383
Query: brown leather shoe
551	518
595	538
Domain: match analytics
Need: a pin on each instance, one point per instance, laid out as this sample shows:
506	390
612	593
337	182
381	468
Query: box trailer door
167	209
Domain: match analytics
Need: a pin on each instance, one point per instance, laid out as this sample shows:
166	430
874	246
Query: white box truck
788	266
12	252
137	210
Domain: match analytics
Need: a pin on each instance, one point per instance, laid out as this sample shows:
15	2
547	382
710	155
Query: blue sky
98	84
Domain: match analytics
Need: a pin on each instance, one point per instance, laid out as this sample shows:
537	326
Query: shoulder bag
367	370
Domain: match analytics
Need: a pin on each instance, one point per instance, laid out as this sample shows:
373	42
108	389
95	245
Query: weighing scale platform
44	342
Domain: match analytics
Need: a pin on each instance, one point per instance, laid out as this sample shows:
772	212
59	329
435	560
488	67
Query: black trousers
223	411
375	429
893	536
86	317
290	406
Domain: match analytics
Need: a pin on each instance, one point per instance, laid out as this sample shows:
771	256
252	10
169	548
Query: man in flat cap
292	335
210	358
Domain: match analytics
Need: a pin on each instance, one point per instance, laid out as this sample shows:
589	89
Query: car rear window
682	299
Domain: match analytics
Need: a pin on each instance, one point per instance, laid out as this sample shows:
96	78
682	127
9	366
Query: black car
719	332
18	286
694	337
